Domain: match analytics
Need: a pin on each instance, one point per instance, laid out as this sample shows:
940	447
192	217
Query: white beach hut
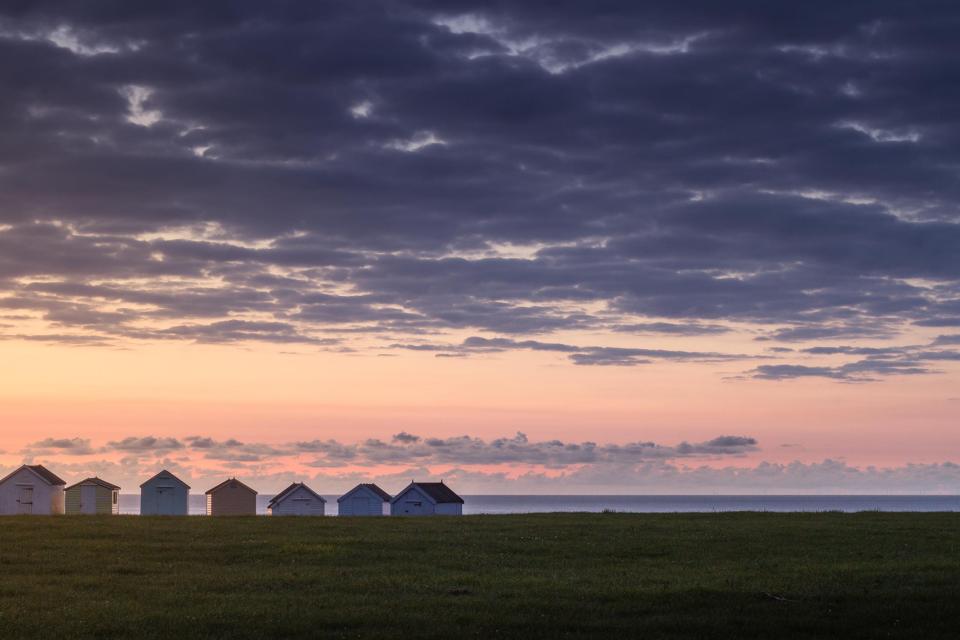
31	489
426	499
297	500
364	500
164	495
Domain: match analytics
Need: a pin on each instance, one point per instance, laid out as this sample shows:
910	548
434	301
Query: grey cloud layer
301	174
68	446
578	355
657	477
406	448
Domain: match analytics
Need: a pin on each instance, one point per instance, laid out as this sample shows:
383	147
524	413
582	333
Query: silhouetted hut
364	500
91	497
231	498
31	489
297	500
164	495
426	499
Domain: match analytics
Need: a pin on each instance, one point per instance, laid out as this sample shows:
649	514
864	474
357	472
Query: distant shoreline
494	504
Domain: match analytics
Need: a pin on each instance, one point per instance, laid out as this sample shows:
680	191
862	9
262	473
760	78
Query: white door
26	500
88	499
360	506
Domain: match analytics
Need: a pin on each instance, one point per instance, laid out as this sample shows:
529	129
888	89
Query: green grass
868	575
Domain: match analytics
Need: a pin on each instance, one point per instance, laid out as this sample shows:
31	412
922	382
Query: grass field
866	575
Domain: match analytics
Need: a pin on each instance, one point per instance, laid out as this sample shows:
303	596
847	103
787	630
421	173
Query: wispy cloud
586	355
875	363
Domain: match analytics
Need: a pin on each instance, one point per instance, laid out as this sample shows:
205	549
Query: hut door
88	499
361	506
165	500
26	500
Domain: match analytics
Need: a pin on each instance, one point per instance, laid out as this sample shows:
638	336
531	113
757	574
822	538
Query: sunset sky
537	247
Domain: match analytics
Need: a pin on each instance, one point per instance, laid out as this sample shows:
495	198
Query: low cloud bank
654	477
402	449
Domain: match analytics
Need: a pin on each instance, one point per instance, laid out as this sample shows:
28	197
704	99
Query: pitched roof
296	485
97	481
45	474
232	482
439	492
383	495
167	474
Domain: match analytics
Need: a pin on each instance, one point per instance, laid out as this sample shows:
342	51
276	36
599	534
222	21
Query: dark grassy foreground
615	575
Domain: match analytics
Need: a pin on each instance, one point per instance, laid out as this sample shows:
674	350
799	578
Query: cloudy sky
562	247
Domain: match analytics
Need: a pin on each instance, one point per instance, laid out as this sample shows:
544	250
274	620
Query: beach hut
164	495
297	500
426	499
364	500
231	498
31	489
91	497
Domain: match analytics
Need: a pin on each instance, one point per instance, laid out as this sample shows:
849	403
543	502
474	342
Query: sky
526	247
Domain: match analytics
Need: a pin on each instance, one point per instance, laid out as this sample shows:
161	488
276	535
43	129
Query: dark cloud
788	371
307	173
859	371
406	448
76	340
875	363
234	451
242	330
578	355
671	328
806	333
69	446
145	445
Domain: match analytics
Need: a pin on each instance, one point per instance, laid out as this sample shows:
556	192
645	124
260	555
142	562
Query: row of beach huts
34	489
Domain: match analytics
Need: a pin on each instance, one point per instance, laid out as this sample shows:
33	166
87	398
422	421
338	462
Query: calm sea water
130	504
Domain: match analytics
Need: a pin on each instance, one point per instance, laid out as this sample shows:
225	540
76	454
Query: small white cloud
65	37
136	96
200	150
362	109
417	142
467	23
850	89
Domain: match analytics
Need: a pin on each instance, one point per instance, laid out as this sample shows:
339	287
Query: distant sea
130	504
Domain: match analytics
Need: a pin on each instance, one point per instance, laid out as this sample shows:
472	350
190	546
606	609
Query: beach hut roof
383	495
167	474
45	474
296	485
436	491
97	481
231	481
